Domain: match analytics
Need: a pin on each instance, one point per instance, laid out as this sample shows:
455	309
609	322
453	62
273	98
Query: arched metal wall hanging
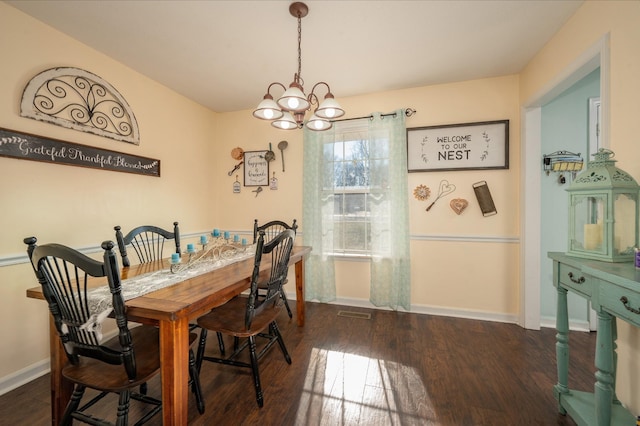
80	100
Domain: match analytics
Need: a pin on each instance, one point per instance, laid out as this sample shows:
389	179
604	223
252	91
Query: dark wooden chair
271	230
250	317
118	365
147	241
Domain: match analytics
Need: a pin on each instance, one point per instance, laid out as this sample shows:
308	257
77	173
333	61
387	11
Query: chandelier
289	111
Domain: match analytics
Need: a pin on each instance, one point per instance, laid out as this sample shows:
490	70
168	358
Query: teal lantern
603	211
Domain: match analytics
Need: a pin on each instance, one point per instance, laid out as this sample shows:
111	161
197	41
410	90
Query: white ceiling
223	54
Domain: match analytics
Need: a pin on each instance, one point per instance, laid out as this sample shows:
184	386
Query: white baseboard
38	369
21	377
546	322
429	310
574	325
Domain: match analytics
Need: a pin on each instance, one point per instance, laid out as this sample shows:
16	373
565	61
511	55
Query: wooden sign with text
256	168
38	148
469	146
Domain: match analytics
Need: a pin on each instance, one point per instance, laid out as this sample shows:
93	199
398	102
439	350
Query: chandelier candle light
289	111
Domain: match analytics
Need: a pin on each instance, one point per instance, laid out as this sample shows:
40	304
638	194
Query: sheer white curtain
390	261
387	206
317	218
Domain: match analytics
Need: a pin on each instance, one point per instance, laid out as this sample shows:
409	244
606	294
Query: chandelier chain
299	45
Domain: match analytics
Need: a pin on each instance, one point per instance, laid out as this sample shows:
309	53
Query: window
347	180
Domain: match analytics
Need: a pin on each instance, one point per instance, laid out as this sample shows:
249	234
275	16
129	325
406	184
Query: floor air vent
351	314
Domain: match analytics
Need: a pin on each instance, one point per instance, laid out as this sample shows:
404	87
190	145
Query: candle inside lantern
203	239
175	258
236	238
592	236
191	248
216	232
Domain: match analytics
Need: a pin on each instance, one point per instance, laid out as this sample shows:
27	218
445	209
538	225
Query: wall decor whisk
444	189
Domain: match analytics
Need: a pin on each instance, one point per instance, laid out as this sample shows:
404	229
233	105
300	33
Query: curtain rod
408	112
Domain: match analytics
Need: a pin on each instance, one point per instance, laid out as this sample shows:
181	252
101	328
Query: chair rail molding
19	258
79	100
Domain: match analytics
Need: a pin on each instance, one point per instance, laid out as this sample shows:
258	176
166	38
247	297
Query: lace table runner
100	298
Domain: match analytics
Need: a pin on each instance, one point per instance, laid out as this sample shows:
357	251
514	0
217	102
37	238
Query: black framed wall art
468	146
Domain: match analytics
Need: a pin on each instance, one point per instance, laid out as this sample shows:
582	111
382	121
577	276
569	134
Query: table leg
605	368
300	308
61	389
614	349
174	366
562	348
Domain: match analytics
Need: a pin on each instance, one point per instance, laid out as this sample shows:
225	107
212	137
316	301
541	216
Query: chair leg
276	332
195	382
286	303
123	408
254	368
73	404
201	345
220	342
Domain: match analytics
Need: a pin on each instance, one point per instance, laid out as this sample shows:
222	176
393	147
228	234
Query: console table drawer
621	302
575	279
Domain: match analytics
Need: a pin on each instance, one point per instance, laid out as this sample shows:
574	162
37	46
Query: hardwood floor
393	369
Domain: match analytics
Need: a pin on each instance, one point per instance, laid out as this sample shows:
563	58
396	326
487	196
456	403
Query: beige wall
453	264
595	19
438	282
80	206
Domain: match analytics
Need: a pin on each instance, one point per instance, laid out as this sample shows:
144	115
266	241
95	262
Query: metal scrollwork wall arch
80	100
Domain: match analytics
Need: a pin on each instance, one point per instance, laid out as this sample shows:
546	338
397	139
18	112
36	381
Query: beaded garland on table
215	249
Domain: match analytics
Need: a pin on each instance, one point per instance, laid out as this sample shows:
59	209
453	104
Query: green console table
614	292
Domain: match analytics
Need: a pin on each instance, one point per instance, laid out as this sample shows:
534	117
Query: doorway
531	255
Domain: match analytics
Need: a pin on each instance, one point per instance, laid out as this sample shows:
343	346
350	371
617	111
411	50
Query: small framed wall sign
468	146
256	168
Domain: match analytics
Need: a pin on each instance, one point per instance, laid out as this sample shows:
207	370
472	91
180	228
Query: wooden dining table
171	309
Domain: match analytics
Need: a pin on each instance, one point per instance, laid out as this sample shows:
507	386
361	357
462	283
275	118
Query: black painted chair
271	230
147	241
117	365
250	317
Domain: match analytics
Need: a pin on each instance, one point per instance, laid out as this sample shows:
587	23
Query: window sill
351	257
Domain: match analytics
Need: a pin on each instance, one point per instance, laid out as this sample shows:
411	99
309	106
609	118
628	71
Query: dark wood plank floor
393	369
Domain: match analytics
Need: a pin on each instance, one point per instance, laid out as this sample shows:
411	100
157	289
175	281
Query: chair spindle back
147	241
66	277
272	229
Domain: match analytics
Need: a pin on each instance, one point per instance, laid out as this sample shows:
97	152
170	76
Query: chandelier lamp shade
289	111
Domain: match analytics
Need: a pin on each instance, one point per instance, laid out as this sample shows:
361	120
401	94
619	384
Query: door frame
531	171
